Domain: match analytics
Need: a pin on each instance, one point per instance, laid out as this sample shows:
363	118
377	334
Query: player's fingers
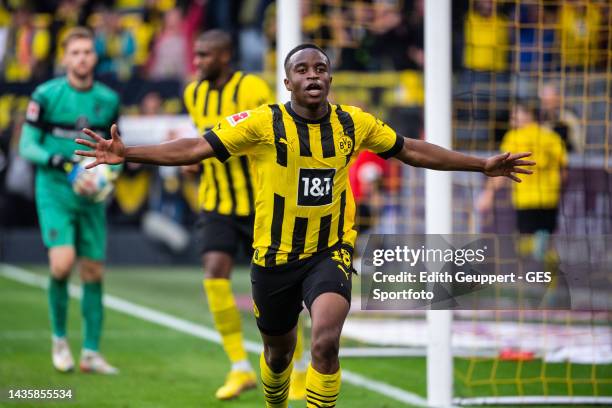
88	153
114	131
514	178
522	170
86	143
92	165
517	156
524	163
92	134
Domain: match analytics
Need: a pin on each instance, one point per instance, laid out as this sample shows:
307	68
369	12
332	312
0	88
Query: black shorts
532	220
225	233
278	291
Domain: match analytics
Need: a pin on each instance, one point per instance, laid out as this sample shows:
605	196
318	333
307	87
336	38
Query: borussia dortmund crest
345	145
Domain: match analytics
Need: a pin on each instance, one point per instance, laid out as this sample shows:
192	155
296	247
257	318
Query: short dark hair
528	106
77	33
304	47
218	37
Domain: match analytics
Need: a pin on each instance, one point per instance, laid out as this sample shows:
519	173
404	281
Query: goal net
552	55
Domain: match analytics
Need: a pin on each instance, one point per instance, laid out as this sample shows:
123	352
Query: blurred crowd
502	51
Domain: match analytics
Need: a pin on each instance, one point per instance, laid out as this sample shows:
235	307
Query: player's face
209	59
308	77
80	57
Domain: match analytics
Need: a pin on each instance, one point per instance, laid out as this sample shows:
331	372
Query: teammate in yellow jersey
536	201
304	208
226	198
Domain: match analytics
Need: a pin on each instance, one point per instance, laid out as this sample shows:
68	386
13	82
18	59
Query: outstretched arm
175	153
419	153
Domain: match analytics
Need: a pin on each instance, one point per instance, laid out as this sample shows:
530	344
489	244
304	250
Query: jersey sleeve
378	136
30	143
235	135
254	92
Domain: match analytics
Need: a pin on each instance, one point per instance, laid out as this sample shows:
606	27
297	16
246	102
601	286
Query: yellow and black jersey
303	199
543	188
225	188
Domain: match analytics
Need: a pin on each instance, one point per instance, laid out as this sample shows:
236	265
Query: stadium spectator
390	40
115	47
561	119
27	51
171	50
580	24
365	176
486	37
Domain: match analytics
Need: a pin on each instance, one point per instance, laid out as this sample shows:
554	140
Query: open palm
507	165
104	151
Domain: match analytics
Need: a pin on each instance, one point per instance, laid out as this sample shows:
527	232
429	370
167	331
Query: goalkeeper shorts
278	291
75	223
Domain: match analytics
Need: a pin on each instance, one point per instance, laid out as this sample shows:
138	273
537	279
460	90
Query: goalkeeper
69	201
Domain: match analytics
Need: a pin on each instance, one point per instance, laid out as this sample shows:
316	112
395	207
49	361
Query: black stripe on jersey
195	91
302	130
395	149
217	145
324	229
341	219
235	97
348	126
276	231
230	186
245	172
299	238
220	99
279	135
216	181
327	140
205	110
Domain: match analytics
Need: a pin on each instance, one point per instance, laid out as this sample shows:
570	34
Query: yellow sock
275	385
226	316
321	389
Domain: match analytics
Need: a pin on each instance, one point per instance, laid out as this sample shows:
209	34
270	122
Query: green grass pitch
161	367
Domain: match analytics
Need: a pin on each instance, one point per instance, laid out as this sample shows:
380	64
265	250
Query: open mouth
314	89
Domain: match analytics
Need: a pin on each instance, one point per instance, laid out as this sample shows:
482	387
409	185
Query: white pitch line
197	330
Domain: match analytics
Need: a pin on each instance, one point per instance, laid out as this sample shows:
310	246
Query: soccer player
72	226
536	201
226	195
304	208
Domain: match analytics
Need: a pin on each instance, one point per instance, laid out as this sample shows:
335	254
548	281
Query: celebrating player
70	209
304	208
226	195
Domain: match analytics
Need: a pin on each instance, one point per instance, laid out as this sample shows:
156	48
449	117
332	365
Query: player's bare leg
276	366
297	388
93	315
61	261
217	285
328	312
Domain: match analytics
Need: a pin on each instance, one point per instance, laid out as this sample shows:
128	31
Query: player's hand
104	151
507	165
191	170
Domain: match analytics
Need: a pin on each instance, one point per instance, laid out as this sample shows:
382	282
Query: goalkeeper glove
57	161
